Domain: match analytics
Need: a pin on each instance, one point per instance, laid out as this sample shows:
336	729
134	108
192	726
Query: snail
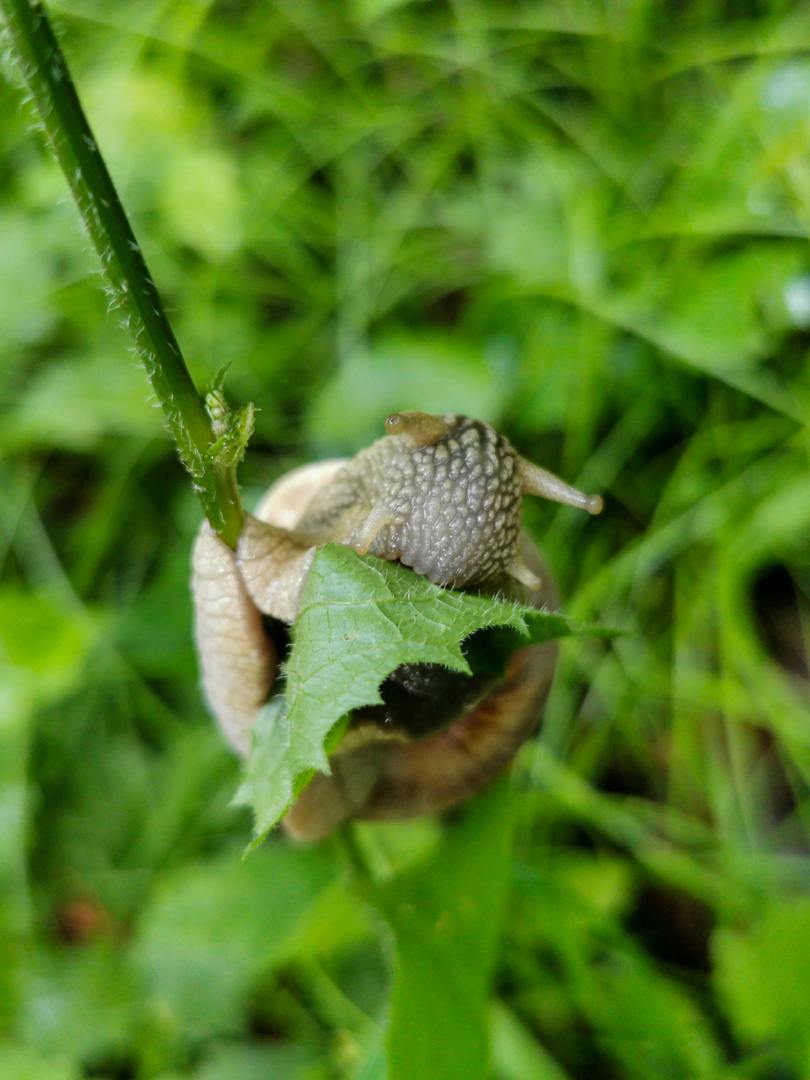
443	495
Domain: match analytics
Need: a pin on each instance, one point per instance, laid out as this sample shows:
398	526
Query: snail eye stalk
537	481
423	429
394	424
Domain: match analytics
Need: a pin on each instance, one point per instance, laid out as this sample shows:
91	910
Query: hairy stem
34	49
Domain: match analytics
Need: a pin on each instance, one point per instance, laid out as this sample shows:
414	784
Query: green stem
32	45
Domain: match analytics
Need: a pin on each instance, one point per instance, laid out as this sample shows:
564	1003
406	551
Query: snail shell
442	494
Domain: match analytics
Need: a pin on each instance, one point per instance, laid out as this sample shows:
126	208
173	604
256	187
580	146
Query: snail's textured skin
443	494
262	548
238	661
450	509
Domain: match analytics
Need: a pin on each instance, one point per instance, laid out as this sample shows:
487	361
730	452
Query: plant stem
36	52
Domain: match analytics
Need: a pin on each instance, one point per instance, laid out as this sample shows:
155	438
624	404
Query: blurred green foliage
583	221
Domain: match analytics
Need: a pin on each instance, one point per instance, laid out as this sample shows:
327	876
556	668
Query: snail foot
273	564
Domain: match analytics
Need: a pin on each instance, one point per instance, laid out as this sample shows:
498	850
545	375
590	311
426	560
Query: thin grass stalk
32	46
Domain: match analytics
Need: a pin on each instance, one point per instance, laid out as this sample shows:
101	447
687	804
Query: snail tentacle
520	572
364	536
537	481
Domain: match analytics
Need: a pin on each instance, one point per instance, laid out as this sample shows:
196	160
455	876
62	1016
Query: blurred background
585	221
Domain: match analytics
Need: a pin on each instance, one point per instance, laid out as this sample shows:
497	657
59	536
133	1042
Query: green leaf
360	619
445	916
230	447
79	1001
209	931
762	974
42	641
647	1022
18	1062
231	429
268	779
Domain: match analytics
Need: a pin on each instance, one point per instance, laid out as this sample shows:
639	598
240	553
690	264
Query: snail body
443	495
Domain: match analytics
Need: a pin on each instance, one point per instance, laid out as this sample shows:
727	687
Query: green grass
586	223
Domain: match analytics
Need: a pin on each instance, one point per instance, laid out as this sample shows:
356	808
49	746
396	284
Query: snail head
443	494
